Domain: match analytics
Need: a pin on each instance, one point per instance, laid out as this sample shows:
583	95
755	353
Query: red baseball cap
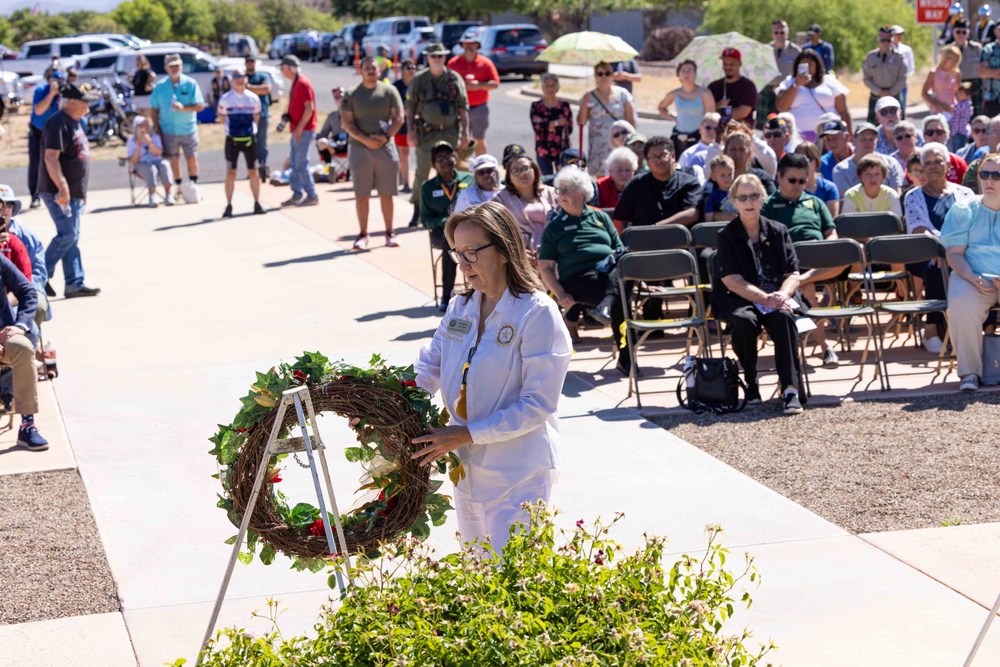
732	53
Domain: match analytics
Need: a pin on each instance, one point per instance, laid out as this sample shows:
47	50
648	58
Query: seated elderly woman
528	199
574	248
973	249
621	167
925	210
620	130
936	129
756	287
144	150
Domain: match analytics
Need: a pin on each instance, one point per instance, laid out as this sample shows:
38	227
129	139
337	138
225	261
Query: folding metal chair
706	234
658	265
665	237
830	254
864	226
910	249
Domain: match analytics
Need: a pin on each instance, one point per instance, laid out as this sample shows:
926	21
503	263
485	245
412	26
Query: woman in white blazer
499	358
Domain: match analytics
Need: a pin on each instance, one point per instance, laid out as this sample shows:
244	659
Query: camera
283	122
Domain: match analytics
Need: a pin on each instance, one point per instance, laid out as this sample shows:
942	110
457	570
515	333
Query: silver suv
121	62
391	33
35	57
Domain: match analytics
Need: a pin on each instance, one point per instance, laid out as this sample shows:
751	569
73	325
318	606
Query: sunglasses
409	67
935	133
745	198
774	135
900	137
891	111
603	74
520	170
797	181
993	175
618	135
710	128
778	32
960	32
978	130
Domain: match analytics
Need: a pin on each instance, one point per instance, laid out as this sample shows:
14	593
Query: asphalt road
508	124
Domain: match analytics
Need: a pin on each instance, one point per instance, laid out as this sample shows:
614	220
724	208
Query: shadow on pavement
416	335
197	223
419	313
307	259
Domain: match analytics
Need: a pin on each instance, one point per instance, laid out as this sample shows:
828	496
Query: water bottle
49	354
688	366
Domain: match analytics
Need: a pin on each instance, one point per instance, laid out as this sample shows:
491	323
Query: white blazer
515	379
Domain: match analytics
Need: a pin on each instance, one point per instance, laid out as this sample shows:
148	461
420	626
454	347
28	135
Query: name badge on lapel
438	193
459	327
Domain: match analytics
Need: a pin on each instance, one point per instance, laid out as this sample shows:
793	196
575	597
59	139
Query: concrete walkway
193	305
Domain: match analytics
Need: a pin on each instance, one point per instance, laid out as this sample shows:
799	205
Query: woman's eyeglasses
619	135
992	175
978	130
750	197
900	137
935	133
520	171
564	191
603	73
710	128
470	256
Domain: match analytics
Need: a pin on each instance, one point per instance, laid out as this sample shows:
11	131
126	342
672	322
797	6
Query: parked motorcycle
111	114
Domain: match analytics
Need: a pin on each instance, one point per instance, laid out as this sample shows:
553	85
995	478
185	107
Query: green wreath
386	410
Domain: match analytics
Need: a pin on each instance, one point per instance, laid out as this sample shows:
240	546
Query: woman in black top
756	287
142	84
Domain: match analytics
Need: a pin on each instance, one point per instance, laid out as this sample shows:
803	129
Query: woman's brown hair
502	231
536	184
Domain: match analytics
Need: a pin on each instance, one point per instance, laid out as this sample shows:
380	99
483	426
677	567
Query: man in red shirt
302	119
480	76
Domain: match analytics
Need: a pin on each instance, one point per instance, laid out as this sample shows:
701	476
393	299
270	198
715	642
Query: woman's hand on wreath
440	441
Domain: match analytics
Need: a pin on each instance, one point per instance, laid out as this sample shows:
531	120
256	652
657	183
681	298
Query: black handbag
711	385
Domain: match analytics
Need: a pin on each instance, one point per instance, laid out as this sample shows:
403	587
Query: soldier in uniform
884	72
437	109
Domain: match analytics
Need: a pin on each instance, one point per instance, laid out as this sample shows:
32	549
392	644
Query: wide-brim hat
436	49
7	194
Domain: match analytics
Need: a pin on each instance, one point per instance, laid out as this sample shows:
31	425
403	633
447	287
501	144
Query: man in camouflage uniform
437	109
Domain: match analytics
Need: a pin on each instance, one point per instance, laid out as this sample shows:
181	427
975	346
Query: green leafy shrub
582	602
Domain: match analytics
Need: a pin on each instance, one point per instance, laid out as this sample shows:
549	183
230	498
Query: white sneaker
969	383
933	344
152	201
169	199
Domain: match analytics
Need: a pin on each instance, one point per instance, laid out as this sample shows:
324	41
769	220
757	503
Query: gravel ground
52	562
867	466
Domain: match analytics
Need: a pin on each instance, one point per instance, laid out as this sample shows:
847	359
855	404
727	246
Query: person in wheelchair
756	287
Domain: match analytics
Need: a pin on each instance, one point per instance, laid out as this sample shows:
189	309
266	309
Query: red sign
934	12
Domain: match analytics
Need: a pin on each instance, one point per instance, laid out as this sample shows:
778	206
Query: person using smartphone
810	93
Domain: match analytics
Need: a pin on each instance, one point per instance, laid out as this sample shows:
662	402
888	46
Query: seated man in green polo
437	201
807	219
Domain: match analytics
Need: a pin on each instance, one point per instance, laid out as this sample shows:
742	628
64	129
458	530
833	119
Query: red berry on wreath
317	528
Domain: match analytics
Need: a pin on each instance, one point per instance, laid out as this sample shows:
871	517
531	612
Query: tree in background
7	34
280	17
27	27
144	18
243	18
192	20
86	20
850	25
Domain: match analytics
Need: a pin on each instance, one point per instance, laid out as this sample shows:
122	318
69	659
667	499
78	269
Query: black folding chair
910	249
665	237
864	226
637	267
829	254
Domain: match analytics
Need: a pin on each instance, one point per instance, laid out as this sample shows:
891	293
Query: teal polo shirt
807	218
188	93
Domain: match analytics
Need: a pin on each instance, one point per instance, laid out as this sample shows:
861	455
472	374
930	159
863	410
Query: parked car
281	46
391	32
278	82
353	33
240	45
448	32
36	56
124	39
7	53
512	47
120	62
415	43
303	44
327	45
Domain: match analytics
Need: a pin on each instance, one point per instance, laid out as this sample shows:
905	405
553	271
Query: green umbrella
587	48
758	59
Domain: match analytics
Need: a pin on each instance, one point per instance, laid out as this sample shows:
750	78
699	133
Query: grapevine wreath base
390	410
